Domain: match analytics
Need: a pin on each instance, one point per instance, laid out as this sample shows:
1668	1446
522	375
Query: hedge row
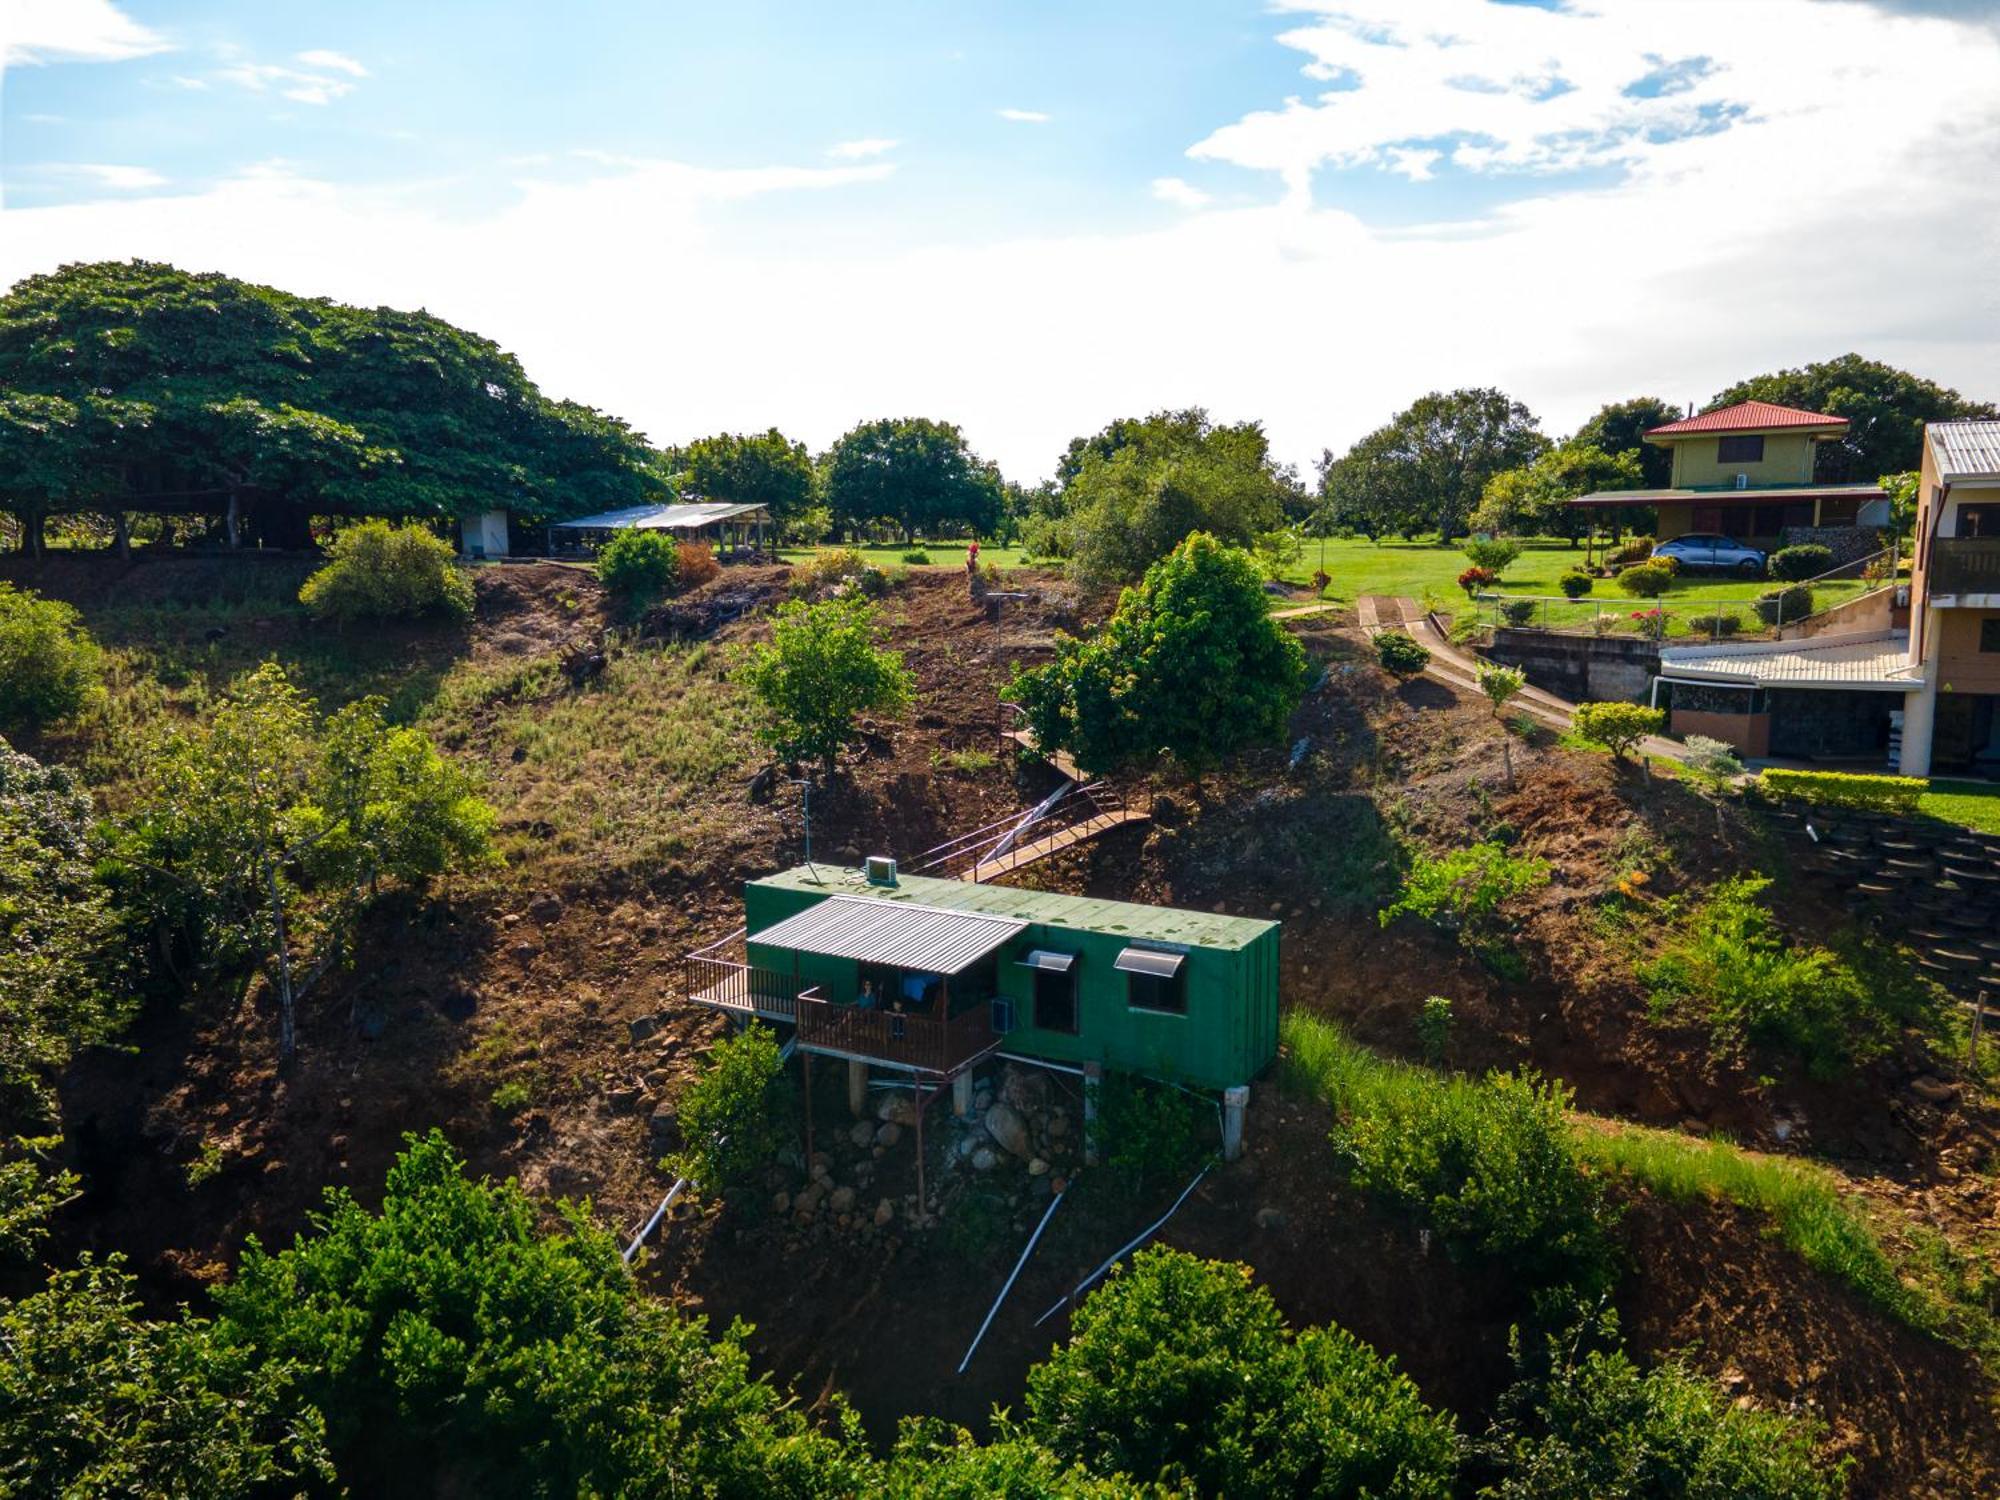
1890	794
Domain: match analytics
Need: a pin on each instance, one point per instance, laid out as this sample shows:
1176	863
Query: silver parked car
1702	549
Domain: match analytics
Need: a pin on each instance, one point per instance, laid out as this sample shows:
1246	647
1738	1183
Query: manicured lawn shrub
1401	654
916	557
1646	581
1807	560
1617	727
1575	584
384	572
1493	553
1784	606
639	566
49	665
1636	550
1476	578
1518	612
1723	623
1181	1372
1889	794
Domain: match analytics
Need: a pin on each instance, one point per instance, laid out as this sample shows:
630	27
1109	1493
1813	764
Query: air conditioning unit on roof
1743	481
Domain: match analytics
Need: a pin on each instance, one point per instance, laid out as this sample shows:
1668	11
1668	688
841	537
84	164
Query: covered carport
1821	698
730	529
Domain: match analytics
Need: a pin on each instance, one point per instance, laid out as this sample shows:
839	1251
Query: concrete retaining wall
1581	668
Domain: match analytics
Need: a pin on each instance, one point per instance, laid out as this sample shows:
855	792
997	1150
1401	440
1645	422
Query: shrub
733	1118
1518	611
1637	550
1647	581
1665	560
1726	622
1153	1133
1400	654
1492	553
49	665
1729	966
916	557
694	565
1807	560
1575	584
1652	623
1320	579
1464	889
1617	727
837	567
1585	1423
1711	760
1889	794
821	670
380	571
1181	1372
1475	578
1434	1026
1784	606
639	566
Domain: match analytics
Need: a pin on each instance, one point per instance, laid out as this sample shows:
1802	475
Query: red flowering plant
1652	622
1476	578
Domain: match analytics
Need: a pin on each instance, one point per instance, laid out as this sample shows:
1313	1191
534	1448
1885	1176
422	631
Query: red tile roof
1749	416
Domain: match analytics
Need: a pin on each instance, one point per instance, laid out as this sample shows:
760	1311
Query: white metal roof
1965	450
924	938
661	517
1878	660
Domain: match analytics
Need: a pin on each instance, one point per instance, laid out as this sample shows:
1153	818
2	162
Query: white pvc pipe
673	1193
1054	1204
1144	1235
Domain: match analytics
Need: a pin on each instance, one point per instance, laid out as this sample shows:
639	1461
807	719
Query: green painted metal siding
1227	1036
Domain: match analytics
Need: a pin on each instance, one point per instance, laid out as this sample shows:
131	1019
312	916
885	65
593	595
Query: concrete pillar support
857	1088
961	1094
1235	1101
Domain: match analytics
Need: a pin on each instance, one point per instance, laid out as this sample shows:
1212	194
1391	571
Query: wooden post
806	1072
923	1201
857	1088
1093	1080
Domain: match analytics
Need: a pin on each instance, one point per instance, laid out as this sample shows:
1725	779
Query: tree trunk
232	521
121	535
287	1037
34	528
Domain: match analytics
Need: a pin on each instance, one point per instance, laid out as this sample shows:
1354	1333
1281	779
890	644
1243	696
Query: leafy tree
1191	664
63	985
1500	684
1181	1371
1617	727
97	1402
639	566
133	386
1619	430
1278	550
49	665
1582	1422
936	1461
1886	409
823	668
1534	498
1402	654
733	1118
453	1347
262	831
1495	554
1426	470
764	468
1138	488
378	571
912	473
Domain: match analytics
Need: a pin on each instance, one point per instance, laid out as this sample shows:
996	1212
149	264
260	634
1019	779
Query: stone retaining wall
1581	668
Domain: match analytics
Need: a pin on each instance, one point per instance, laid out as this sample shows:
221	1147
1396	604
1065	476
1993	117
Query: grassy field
1972	804
947	554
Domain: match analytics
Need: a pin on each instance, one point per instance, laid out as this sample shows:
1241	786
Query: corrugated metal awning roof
659	517
1042	958
1150	961
1879	661
1965	450
923	938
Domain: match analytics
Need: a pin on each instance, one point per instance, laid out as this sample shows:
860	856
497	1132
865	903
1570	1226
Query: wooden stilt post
923	1201
806	1072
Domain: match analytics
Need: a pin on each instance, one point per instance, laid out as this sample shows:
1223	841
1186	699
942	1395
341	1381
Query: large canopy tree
1535	497
135	386
911	473
761	468
1885	407
1426	470
1621	427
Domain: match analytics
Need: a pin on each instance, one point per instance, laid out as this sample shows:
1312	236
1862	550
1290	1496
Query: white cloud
119	179
862	149
1025	116
49	31
332	62
1180	193
192	85
1849	214
296	84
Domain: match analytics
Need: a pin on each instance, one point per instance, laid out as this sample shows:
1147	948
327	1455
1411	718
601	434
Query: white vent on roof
1743	481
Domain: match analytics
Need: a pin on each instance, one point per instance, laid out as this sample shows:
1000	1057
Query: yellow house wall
1788	459
1962	667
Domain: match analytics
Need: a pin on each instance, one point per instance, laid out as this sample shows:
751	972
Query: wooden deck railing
926	1042
728	985
1965	565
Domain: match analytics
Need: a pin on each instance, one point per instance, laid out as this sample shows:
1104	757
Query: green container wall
1227	1036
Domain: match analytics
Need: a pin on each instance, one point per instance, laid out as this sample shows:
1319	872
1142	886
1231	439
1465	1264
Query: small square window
1989	633
1740	450
1161	992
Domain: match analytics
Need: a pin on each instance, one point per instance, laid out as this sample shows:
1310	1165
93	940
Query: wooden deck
1025	738
1026	854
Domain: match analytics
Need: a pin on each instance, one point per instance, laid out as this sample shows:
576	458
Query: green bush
1784	606
1585	1423
384	572
1636	550
1617	727
638	567
1153	1134
1575	585
49	665
1647	581
1723	623
734	1118
1807	560
1729	966
1888	794
838	568
1401	654
1492	553
1434	1027
916	557
1464	889
1181	1372
1518	612
822	669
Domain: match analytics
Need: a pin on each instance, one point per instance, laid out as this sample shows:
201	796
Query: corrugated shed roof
1965	450
1879	659
660	517
1748	416
1162	924
923	938
1725	495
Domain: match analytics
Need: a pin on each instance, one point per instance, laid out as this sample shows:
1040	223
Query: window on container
1740	450
1989	633
1055	1000
1162	992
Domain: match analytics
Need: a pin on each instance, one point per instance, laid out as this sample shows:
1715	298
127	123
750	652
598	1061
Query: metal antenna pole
806	816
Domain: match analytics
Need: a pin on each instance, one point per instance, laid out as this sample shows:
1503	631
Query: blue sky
1033	216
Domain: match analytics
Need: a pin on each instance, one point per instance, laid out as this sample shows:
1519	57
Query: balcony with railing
1964	565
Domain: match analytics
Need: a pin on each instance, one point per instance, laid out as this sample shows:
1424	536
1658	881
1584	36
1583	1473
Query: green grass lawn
948	554
1414	569
1972	804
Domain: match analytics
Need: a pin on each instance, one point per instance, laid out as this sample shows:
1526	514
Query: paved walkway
1076	833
